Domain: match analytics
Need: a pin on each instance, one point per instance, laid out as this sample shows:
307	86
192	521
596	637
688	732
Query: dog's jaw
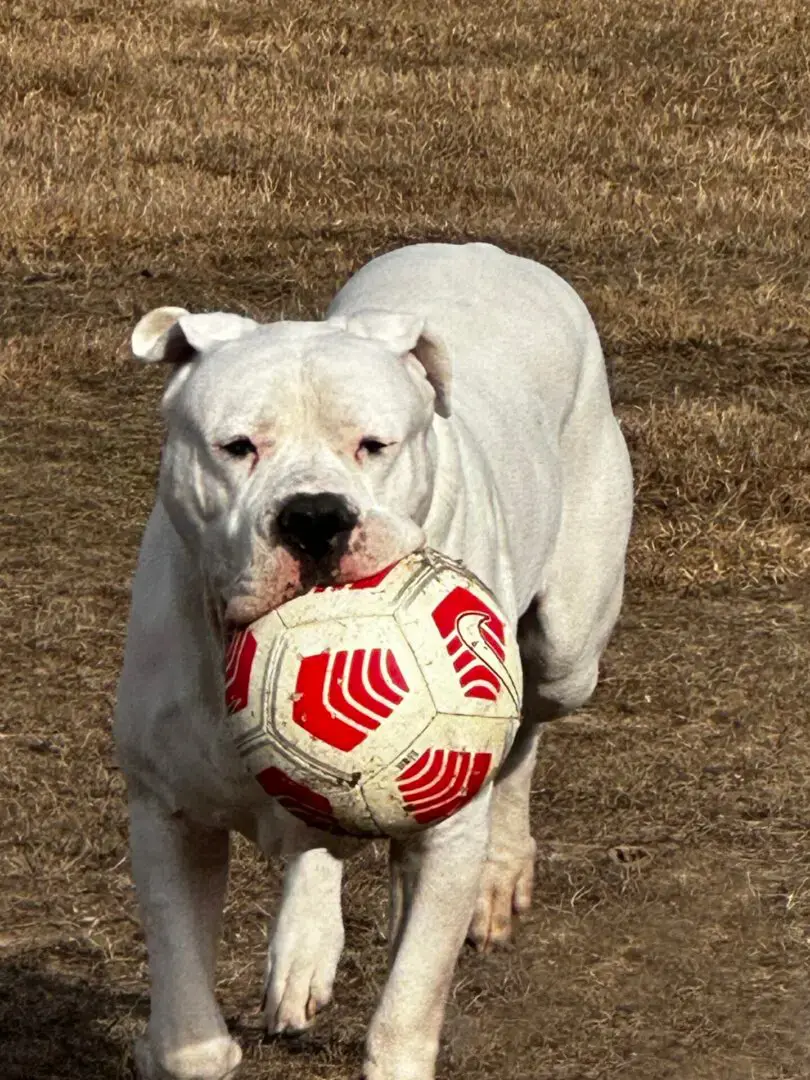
278	575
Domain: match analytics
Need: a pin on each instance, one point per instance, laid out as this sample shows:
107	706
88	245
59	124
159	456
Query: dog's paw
301	966
407	1069
407	1057
214	1059
505	889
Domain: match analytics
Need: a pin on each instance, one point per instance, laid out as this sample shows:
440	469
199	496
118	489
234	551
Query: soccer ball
379	707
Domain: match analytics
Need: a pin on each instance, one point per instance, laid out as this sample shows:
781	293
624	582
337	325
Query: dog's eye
239	448
373	446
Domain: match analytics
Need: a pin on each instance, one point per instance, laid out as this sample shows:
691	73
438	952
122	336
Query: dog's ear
410	336
170	335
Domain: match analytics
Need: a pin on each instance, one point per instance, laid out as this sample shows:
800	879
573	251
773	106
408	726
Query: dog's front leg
306	942
180	872
435	879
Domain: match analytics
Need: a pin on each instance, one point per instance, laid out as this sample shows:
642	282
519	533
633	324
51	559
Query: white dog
454	396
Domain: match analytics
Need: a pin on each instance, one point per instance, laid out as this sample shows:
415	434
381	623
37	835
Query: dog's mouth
286	572
303	574
243	609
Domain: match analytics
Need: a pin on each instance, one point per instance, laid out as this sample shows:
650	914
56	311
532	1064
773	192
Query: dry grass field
249	155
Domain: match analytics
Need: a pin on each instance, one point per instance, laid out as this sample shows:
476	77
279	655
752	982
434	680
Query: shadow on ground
56	1026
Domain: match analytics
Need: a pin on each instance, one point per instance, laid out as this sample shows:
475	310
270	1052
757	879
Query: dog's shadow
56	1025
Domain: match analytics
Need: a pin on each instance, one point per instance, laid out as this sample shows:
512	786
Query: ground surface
249	155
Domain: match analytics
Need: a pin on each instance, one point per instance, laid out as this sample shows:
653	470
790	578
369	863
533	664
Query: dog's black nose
315	524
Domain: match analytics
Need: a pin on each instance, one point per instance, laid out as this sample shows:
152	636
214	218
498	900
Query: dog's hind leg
180	872
508	874
562	635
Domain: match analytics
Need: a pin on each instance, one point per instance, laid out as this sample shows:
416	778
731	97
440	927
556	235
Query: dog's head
296	453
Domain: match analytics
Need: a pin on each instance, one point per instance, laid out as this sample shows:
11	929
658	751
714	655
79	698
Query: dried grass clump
723	493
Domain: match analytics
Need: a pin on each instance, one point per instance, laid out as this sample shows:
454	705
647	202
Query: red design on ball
471	629
440	782
299	800
370	582
238	664
340	697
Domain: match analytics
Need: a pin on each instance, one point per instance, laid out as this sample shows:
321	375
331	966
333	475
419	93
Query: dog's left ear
409	336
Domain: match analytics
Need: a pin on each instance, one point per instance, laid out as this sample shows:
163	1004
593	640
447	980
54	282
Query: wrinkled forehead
293	375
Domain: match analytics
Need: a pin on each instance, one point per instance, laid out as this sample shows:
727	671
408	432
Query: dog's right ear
158	337
170	335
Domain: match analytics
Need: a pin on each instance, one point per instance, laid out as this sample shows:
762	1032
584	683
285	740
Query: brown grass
249	155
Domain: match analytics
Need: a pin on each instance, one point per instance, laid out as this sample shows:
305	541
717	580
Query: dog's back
508	323
529	394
